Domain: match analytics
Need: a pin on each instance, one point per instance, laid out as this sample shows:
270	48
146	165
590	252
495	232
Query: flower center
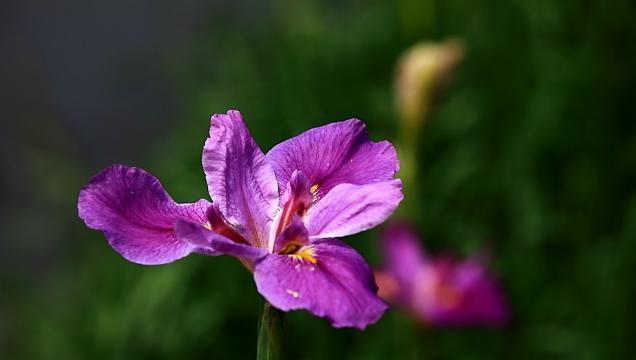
448	296
299	251
299	199
294	207
218	224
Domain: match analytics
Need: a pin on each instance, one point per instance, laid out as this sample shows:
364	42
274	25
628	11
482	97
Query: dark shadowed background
531	154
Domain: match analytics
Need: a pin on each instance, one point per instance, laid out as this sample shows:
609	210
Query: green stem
270	334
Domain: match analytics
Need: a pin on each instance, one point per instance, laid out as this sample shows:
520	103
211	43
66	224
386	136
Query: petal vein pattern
240	181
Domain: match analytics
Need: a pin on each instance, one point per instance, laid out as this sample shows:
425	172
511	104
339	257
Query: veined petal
331	281
348	209
209	242
137	215
240	180
334	154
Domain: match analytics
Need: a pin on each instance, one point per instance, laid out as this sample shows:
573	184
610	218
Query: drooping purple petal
240	180
211	243
327	278
348	209
137	215
334	154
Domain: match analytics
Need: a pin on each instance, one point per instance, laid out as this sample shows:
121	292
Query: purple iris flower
279	213
439	291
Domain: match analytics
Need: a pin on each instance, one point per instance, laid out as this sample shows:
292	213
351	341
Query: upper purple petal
240	180
348	209
337	284
334	154
137	215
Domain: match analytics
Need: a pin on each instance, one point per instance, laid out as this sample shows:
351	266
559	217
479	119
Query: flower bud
421	71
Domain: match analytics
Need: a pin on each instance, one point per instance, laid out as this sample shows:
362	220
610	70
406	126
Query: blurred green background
530	154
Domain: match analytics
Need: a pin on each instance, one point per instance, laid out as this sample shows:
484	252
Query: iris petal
210	243
348	209
338	284
137	215
334	154
240	180
295	201
295	233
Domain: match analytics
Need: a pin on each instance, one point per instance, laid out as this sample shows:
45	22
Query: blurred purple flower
439	291
279	213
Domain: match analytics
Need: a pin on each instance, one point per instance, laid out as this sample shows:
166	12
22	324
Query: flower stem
270	334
